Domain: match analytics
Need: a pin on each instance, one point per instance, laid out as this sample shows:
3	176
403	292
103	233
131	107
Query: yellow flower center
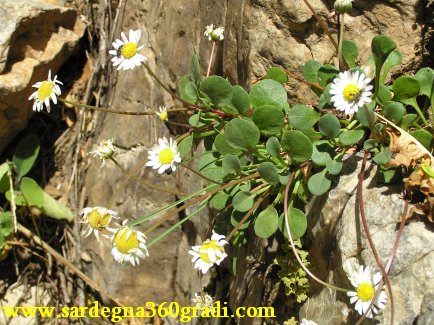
350	92
97	221
166	156
45	90
123	244
203	250
365	291
163	116
129	50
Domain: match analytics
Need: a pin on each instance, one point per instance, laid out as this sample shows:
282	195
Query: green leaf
223	147
243	201
318	183
25	154
394	59
427	170
405	87
325	99
269	173
322	152
269	119
242	134
195	70
394	111
273	147
383	157
231	164
194	120
310	70
20	200
268	92
329	125
407	121
424	137
351	137
4	179
364	115
297	145
277	74
381	47
211	167
334	167
266	223
297	223
218	89
184	146
219	200
240	99
187	90
387	174
326	74
384	94
350	52
370	145
6	227
312	134
302	117
236	218
35	196
425	76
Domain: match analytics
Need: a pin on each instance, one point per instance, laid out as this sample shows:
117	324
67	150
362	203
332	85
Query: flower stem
369	237
211	58
147	184
108	110
288	229
341	40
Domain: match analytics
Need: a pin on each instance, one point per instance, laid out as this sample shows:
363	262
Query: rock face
340	246
259	34
36	36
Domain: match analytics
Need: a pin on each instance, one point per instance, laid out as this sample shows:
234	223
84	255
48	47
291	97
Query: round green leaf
223	147
329	125
370	145
269	173
310	70
405	87
350	52
269	119
243	201
334	167
384	94
297	145
351	137
266	223
218	89
326	74
236	218
407	121
184	146
322	152
231	164
219	200
187	90
277	74
297	223
318	183
381	47
325	99
393	59
240	99
25	154
273	147
302	117
383	157
424	137
268	92
394	111
242	134
364	115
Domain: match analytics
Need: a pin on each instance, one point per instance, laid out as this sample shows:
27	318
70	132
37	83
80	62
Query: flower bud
343	6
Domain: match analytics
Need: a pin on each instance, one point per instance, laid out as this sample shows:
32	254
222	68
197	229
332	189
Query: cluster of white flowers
216	34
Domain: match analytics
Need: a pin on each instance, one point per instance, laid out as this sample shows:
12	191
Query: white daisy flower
203	300
366	285
214	34
128	245
126	53
104	151
209	253
97	219
164	156
47	90
305	321
351	90
162	114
